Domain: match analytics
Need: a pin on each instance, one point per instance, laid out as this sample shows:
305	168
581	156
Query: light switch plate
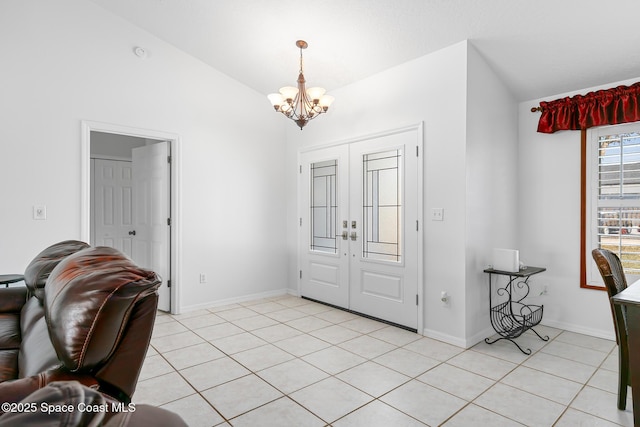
40	212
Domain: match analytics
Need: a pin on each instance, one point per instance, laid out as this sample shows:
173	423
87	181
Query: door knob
132	233
354	237
345	235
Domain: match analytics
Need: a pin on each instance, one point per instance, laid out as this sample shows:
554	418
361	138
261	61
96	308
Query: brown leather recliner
90	323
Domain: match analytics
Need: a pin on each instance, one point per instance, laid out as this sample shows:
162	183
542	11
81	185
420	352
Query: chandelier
300	104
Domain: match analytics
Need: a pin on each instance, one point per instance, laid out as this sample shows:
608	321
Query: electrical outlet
40	212
203	278
437	214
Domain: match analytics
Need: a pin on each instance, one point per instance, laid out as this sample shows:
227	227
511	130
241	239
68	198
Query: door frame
419	128
175	202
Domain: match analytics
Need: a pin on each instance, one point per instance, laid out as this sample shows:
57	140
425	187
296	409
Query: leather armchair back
100	309
38	270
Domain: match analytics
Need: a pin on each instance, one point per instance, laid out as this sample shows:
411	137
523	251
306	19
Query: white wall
549	222
69	60
491	186
434	89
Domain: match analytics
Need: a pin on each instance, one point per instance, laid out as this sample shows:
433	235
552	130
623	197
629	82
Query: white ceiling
538	47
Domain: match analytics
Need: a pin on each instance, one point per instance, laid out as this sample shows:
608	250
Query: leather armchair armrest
14	391
12	299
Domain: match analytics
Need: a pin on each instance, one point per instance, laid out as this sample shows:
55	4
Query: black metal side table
512	318
6	279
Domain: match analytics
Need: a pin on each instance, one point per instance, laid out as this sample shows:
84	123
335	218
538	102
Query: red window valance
599	108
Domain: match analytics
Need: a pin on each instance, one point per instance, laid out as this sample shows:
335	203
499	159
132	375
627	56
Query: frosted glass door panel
382	206
324	206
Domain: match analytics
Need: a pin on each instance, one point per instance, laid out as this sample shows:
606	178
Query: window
613	196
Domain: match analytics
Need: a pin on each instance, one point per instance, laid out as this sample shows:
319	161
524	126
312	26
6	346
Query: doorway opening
129	198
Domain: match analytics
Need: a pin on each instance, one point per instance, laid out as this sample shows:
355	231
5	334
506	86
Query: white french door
359	240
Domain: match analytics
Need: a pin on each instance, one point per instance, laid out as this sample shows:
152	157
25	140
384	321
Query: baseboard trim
235	300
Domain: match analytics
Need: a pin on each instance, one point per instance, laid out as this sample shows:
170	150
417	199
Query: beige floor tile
173	342
336	316
482	364
606	380
216	372
221	330
238	343
377	414
333	360
572	418
266	307
292	375
241	395
279	413
301	345
407	362
330	399
603	404
373	379
276	332
287	361
163	389
154	366
168	328
195	411
363	325
262	357
335	334
423	402
520	406
286	315
459	382
395	336
201	321
545	385
255	322
576	353
472	415
593	343
236	313
560	366
434	349
309	323
192	355
367	347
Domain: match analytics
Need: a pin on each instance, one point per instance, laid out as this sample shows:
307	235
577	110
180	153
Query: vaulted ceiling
538	48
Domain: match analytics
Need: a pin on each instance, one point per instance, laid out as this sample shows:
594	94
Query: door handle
132	233
345	235
354	237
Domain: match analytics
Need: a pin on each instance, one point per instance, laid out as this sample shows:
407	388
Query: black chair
615	281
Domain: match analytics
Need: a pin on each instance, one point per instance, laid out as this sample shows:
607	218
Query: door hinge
169	222
300	221
416	299
168	283
168	159
300	168
417	151
417	226
301	274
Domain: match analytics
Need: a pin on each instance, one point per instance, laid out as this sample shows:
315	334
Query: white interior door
151	213
359	241
112	205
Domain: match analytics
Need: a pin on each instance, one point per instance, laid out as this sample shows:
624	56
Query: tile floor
286	361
